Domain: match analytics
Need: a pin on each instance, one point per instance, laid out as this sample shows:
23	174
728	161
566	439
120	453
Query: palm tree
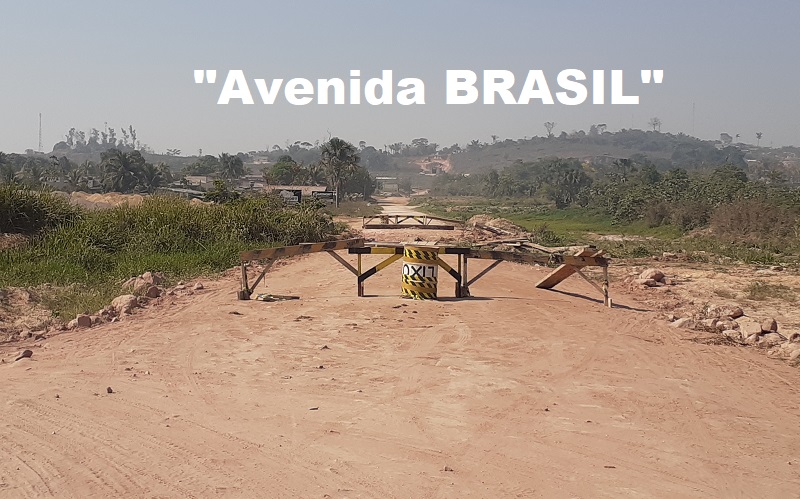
122	169
230	166
75	178
339	159
166	173
151	178
32	174
89	167
316	174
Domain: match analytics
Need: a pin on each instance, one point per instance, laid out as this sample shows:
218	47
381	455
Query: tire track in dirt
196	342
35	487
121	455
42	446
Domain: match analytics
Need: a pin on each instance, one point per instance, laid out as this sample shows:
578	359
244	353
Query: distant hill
664	149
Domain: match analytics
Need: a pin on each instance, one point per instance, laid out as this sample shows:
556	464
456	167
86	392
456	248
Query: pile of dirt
104	201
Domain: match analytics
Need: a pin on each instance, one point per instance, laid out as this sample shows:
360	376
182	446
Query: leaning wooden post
606	299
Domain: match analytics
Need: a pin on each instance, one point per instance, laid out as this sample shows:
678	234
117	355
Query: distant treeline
631	190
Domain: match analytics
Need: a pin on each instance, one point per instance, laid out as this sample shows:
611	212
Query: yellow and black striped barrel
420	272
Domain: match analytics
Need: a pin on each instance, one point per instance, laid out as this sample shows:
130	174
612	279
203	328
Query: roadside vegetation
717	211
86	254
354	209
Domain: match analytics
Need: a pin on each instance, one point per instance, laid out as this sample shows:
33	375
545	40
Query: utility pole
40	132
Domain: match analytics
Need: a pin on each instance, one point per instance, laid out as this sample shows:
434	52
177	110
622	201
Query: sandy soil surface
517	392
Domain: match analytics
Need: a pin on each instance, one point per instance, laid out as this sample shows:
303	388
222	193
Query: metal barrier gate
567	264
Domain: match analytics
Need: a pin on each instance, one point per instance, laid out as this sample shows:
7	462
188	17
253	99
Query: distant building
305	190
201	181
388	184
184	193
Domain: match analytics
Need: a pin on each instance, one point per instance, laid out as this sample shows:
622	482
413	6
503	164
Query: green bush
27	211
541	234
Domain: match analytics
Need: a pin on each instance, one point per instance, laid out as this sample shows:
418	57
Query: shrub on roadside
27	211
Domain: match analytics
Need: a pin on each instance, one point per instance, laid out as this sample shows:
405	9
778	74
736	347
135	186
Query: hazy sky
88	62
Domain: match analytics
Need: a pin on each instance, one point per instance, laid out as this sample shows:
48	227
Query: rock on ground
748	326
770	340
787	350
726	325
683	323
769	326
751	339
124	304
83	320
732	334
653	274
710	323
140	284
732	311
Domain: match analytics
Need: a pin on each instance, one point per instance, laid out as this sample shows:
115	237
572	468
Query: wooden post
360	284
606	299
458	283
465	279
244	293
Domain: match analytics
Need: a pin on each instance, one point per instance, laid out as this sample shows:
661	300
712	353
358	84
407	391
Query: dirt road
518	392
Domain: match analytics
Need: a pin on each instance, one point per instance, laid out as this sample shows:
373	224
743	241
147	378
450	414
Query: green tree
151	178
122	170
230	166
203	166
339	159
360	182
32	174
492	182
166	173
221	193
75	178
286	171
316	174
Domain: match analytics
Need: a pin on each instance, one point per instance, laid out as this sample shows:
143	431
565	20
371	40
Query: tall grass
92	251
27	211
